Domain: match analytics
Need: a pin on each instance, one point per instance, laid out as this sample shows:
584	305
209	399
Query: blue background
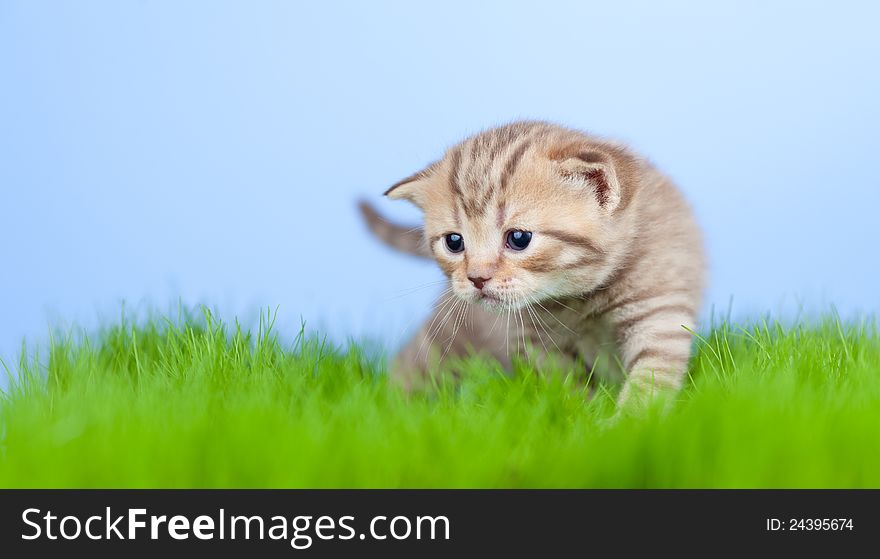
212	152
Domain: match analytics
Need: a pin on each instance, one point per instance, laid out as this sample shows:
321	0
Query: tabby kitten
559	242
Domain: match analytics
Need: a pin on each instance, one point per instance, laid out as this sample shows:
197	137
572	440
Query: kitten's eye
519	240
454	242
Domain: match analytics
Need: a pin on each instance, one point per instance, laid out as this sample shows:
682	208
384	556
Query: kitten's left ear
597	172
413	187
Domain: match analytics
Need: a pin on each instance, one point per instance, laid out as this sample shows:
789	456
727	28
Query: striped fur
613	277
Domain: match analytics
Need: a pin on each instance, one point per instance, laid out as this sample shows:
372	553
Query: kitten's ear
596	171
413	187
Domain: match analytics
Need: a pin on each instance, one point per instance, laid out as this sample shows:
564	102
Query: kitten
557	241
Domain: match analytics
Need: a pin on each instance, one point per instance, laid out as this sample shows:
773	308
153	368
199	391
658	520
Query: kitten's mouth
491	301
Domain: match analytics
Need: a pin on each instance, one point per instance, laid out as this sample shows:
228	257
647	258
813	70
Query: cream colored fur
613	276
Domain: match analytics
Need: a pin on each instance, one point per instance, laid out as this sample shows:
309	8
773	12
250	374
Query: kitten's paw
636	399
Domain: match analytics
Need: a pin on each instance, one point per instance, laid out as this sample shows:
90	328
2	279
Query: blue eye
454	242
519	240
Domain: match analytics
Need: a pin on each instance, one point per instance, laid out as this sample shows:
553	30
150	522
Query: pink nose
479	282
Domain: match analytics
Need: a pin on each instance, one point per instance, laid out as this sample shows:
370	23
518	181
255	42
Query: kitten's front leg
655	347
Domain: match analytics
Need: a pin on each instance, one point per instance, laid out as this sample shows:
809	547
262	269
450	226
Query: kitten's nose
478	282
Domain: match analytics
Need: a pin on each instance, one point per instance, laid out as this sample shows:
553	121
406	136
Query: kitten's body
613	274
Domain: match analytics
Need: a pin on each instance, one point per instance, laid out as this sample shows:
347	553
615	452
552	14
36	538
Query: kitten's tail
409	240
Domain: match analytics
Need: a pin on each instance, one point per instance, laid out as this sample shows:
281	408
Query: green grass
197	403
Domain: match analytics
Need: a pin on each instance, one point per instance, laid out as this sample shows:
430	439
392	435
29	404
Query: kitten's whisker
428	335
556	318
544	326
414	291
411	290
515	328
451	312
439	310
494	324
561	304
537	330
424	285
548	331
535	327
507	336
460	316
411	321
455	328
523	335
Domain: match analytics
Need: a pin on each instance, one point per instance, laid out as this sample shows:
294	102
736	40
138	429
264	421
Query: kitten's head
522	213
